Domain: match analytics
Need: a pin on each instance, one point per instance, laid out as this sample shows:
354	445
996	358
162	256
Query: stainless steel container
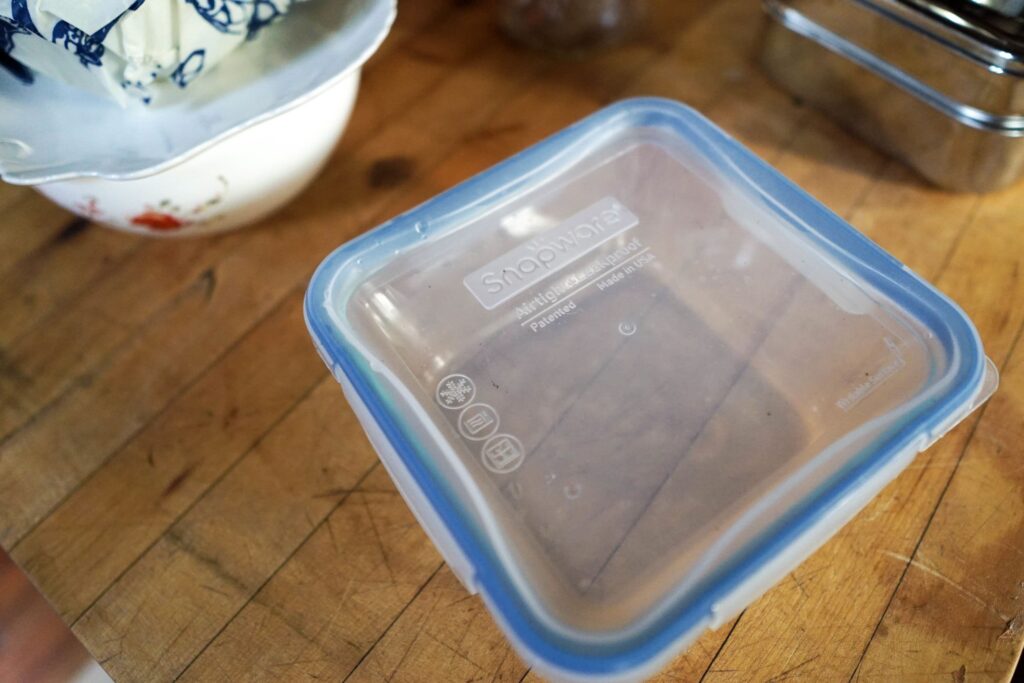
1010	8
938	84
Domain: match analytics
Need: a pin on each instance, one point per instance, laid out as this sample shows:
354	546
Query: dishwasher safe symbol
502	454
478	421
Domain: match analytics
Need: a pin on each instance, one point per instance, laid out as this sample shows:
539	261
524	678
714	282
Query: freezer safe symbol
502	454
455	391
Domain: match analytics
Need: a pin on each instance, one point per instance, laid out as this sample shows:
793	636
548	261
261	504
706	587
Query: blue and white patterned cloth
127	49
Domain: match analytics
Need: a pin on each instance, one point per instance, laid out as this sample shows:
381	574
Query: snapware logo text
531	262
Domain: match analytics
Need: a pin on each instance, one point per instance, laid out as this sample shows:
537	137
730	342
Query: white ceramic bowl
236	144
232	183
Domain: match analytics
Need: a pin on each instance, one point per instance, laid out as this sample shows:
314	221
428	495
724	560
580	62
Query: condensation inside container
637	404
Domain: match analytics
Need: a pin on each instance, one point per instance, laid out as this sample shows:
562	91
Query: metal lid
989	30
1008	8
962	59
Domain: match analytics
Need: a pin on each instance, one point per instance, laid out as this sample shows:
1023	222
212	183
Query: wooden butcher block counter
183	480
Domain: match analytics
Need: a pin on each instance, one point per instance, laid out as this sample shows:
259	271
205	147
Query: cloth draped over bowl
128	50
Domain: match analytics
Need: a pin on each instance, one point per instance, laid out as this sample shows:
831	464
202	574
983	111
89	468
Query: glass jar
571	26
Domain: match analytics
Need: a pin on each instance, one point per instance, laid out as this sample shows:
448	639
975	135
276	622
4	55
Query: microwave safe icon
502	454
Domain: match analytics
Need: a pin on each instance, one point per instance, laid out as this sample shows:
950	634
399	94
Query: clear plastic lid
631	366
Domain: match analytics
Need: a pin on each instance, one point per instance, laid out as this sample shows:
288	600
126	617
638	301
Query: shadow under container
938	85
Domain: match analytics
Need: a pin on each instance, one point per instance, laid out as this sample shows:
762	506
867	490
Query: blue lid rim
865	258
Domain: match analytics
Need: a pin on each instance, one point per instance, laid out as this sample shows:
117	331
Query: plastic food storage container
632	376
937	83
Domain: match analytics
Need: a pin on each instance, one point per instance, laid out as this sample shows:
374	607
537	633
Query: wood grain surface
184	482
